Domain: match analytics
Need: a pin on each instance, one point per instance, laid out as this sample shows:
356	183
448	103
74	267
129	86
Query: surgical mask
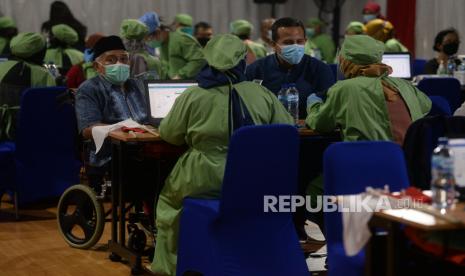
368	17
153	43
293	54
88	55
450	48
203	41
310	32
187	30
117	73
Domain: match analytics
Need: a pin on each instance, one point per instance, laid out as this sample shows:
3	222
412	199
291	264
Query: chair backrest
440	106
421	139
350	167
418	67
262	160
449	88
46	144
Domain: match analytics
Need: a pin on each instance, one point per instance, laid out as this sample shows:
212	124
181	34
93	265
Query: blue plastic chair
439	106
449	88
45	152
418	67
349	167
233	235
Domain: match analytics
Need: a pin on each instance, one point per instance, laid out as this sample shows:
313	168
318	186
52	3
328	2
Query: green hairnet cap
65	34
7	22
362	49
224	51
183	19
356	27
241	27
313	22
25	45
133	29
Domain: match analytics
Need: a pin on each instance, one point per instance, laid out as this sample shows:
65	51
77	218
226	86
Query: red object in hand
133	129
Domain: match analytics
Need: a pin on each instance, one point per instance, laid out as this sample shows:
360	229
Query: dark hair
440	36
201	25
285	22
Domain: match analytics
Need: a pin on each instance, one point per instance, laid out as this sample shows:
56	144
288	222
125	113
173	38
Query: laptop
160	97
400	63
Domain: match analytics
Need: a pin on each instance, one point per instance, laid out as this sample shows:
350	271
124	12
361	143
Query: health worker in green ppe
199	172
184	23
143	65
368	105
22	71
243	29
181	55
320	40
383	31
355	28
60	51
7	31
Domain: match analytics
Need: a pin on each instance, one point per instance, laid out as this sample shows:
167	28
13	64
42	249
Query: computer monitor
400	63
160	97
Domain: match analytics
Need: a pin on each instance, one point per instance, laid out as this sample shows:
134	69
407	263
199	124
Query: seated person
7	31
22	71
368	105
203	32
180	54
84	70
183	23
265	35
143	65
289	64
108	98
199	118
317	39
60	51
355	28
446	44
383	31
243	29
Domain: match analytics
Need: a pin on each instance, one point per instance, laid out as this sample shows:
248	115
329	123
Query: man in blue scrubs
289	64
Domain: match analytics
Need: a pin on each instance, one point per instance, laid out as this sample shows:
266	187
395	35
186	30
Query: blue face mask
88	55
368	17
292	54
187	30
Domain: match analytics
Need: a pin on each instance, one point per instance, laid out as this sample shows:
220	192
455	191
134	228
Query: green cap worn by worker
25	70
355	27
243	29
61	52
368	104
207	138
8	30
143	65
323	41
184	23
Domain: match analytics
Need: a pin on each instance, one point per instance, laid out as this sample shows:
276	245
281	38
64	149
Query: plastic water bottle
460	73
441	69
442	176
451	66
282	94
293	102
316	53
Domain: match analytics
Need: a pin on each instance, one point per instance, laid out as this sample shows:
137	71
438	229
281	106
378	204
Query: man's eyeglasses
113	59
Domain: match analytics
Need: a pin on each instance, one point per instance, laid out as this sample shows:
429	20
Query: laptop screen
400	63
161	96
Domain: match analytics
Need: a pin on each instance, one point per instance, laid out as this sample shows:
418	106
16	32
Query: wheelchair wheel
81	217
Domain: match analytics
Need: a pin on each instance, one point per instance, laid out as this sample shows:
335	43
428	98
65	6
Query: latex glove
313	98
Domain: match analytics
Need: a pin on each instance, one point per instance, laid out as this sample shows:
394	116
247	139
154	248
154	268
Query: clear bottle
293	102
451	66
441	69
442	176
282	94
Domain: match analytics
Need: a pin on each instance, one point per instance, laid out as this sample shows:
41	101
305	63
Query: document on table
99	133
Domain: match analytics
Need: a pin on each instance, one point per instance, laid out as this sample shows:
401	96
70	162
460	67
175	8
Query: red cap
372	7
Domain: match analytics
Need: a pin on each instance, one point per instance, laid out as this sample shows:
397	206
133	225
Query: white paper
99	133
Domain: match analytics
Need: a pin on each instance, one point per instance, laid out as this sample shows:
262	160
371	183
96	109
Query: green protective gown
153	63
310	48
394	45
326	45
40	77
199	118
359	108
54	56
89	70
181	56
257	49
